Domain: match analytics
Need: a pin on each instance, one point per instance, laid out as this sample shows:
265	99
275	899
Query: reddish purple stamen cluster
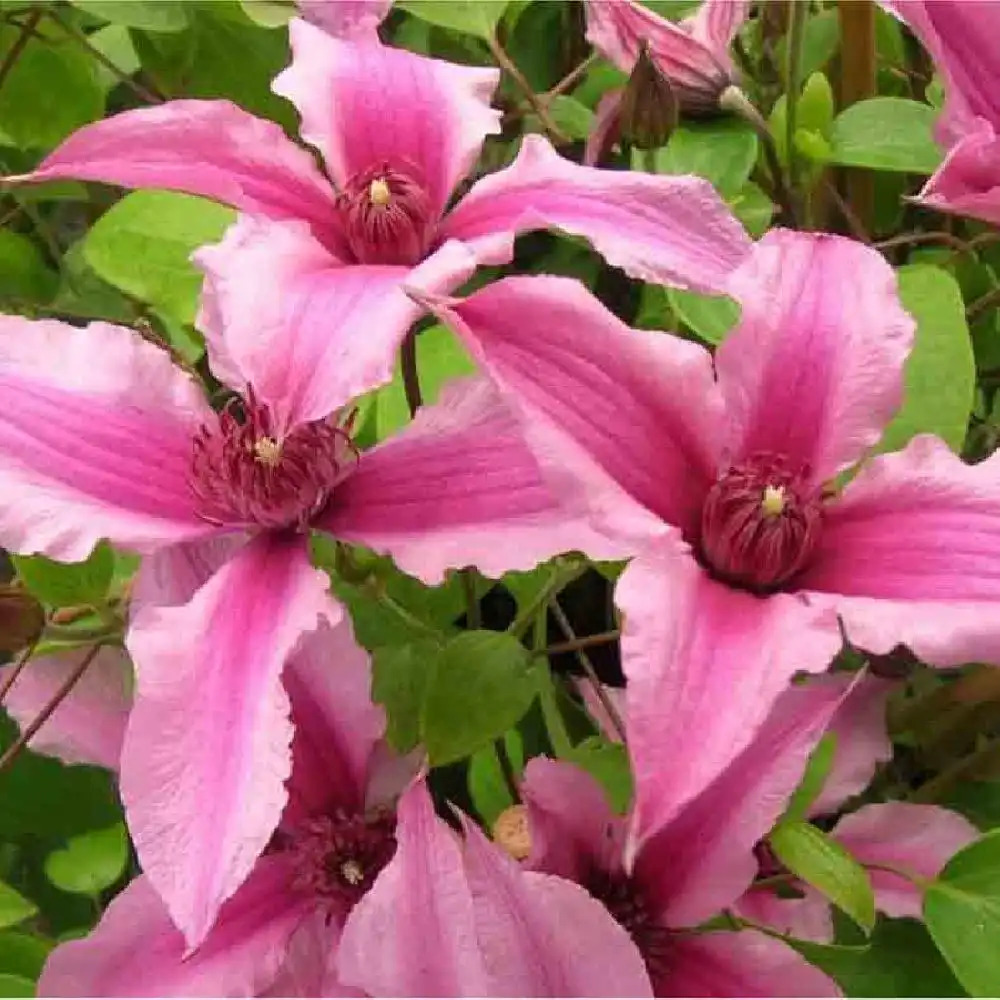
625	902
242	473
760	523
387	216
338	857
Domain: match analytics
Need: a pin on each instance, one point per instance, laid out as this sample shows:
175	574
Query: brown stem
858	229
588	669
935	789
15	671
570	79
537	105
991	298
15	749
14	53
411	379
584	642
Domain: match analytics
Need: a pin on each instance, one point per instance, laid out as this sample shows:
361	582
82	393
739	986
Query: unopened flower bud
649	106
22	618
511	832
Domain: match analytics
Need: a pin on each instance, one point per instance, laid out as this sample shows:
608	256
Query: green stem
649	161
472	611
797	17
563	573
14	52
12	675
555	725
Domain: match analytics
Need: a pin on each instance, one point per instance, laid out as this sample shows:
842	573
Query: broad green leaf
711	317
608	763
886	133
488	786
51	90
114	41
269	13
819	860
62	584
14	907
24	275
723	151
816	105
16	986
473	17
820	42
150	15
979	801
574	118
22	954
82	293
89	863
753	208
440	357
400	677
816	772
940	371
481	686
962	913
142	245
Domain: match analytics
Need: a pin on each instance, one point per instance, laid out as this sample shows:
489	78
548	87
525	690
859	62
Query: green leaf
978	801
16	986
820	42
400	678
816	772
150	15
941	371
114	41
711	317
573	117
962	913
753	208
440	356
269	13
24	275
723	151
14	907
90	862
62	584
816	105
22	954
609	764
51	90
886	133
142	245
488	786
473	17
481	686
819	860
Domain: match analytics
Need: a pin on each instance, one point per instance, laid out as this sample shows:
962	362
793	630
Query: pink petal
968	182
807	917
88	725
703	860
744	964
704	663
543	936
211	148
337	725
617	417
717	22
911	554
345	18
413	933
135	950
206	751
573	829
171	575
316	334
457	488
364	104
862	739
915	838
666	230
596	710
311	950
95	440
811	373
604	132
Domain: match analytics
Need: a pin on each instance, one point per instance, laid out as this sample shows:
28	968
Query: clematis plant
335	250
725	477
961	38
103	437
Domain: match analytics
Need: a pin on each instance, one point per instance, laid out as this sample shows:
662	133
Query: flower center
625	902
242	473
760	523
387	216
338	857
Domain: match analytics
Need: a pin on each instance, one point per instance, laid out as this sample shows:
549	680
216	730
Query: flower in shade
961	39
102	437
355	893
725	476
397	133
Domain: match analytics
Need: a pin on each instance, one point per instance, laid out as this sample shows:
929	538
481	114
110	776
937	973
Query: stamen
379	192
512	833
773	501
267	451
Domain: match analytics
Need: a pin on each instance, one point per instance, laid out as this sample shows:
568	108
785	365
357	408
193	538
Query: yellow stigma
353	872
772	503
379	193
267	451
510	831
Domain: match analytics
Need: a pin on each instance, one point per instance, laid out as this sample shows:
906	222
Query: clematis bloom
103	437
354	892
721	475
397	133
961	39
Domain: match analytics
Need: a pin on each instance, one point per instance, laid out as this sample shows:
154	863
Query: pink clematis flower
397	132
719	474
690	869
345	18
961	38
356	895
101	436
